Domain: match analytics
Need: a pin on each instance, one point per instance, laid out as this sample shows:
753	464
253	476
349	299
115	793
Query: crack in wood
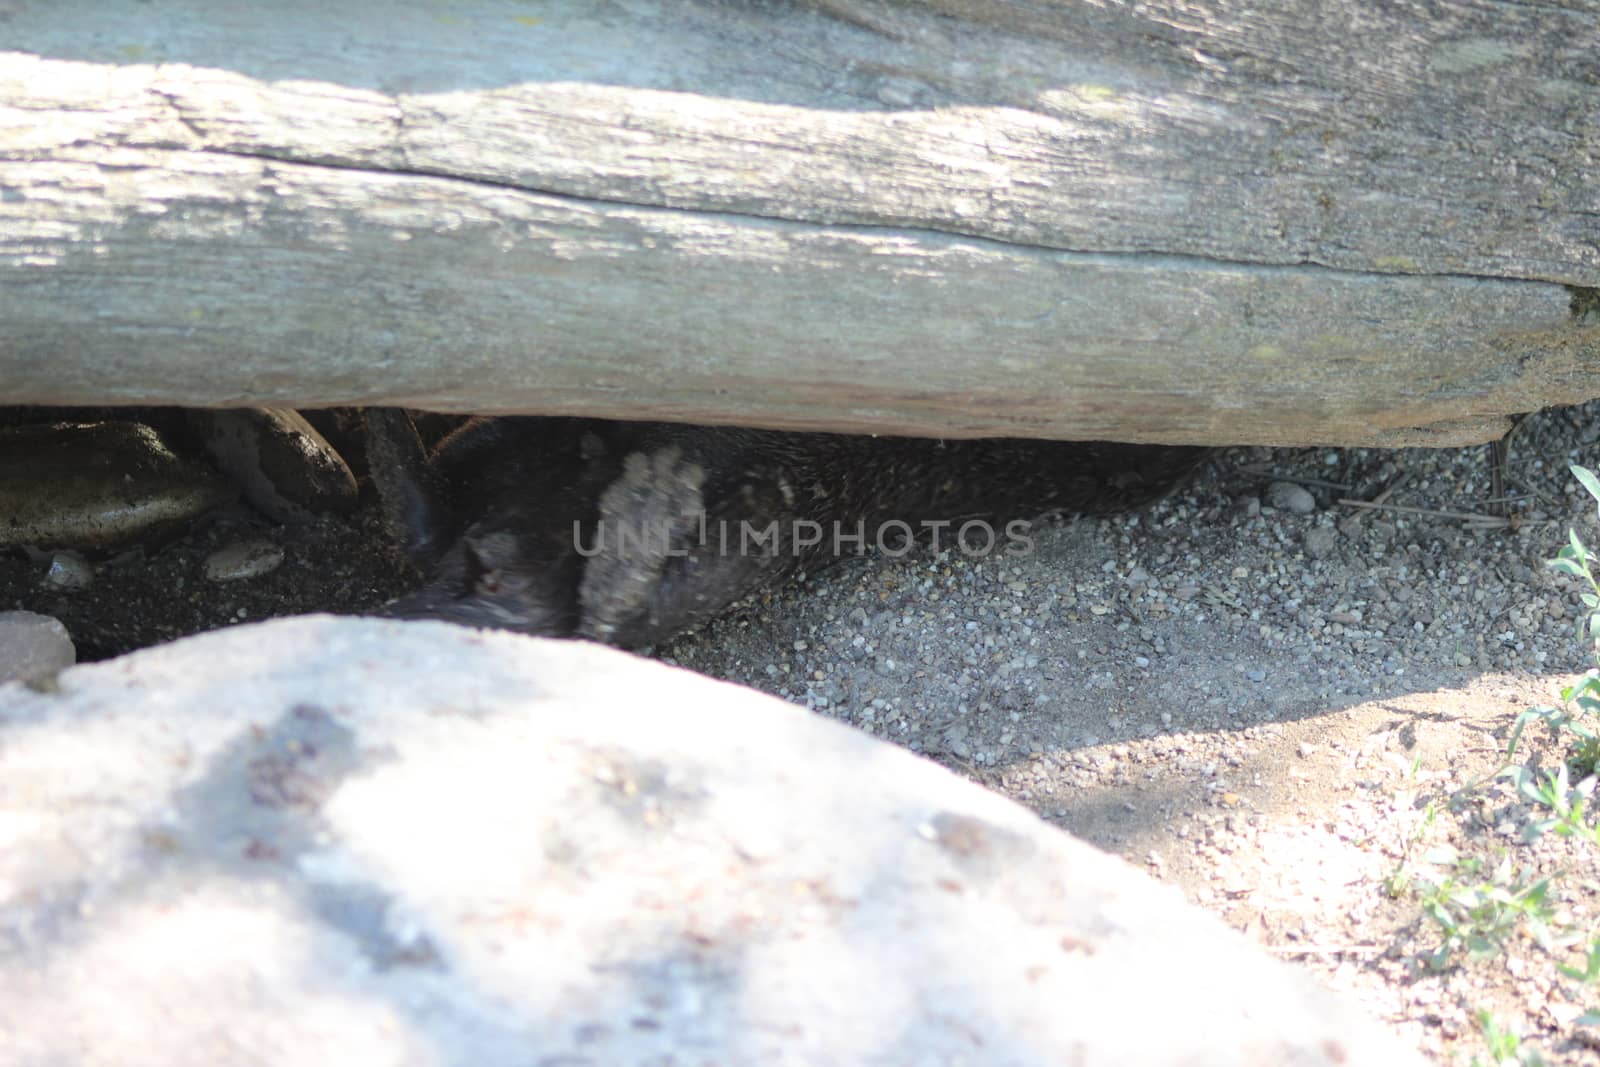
1179	260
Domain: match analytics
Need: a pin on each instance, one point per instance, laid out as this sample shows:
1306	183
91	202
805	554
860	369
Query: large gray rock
337	841
98	485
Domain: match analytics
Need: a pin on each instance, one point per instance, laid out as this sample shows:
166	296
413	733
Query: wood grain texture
1305	223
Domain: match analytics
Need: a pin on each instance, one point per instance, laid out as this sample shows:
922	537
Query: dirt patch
1285	710
1288	715
150	594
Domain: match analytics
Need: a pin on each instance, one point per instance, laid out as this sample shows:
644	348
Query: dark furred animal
630	533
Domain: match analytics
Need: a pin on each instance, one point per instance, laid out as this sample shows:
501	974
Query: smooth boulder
328	841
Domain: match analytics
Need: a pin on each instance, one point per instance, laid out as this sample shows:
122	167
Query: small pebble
33	646
243	559
1320	542
69	571
1292	498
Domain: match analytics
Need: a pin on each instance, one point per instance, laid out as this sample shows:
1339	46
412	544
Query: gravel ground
1253	691
1279	702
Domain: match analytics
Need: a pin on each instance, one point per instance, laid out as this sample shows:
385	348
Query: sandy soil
1286	714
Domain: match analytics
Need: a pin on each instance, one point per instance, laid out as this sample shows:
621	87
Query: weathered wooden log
1313	222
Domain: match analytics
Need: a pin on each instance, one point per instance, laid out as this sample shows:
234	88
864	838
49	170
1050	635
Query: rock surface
282	465
97	486
1291	498
32	646
331	841
241	560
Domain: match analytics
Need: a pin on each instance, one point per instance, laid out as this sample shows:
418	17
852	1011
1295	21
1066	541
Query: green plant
1398	882
1579	713
1479	909
1587	975
1505	1045
1566	801
1477	915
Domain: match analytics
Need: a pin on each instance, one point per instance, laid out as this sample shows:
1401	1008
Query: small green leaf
1443	855
1587	479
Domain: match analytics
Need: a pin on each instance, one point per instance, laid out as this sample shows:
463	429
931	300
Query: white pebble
243	559
68	570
